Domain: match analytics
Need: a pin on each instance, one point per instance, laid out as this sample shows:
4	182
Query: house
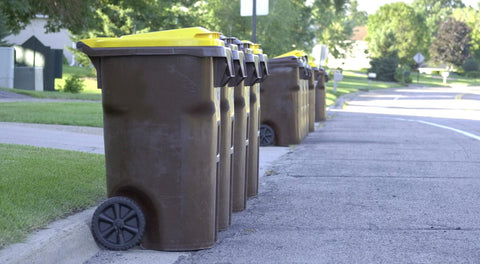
57	40
358	57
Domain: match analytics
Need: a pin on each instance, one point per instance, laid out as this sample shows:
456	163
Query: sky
372	6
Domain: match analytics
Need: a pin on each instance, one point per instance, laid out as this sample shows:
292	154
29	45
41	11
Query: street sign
246	7
419	58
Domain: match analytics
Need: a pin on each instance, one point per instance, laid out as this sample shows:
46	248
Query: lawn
89	96
61	113
453	79
353	82
88	76
39	185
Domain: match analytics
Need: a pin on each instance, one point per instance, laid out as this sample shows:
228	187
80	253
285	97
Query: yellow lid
256	48
247	42
312	64
296	53
185	37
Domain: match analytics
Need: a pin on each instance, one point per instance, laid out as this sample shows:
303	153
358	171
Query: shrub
402	75
385	67
473	74
64	60
470	65
73	84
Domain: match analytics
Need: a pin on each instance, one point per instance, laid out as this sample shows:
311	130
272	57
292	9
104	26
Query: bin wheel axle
267	135
118	223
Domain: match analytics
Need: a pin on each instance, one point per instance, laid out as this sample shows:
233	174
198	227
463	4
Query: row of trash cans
183	113
292	99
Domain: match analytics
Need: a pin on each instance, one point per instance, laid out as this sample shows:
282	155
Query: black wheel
267	135
118	223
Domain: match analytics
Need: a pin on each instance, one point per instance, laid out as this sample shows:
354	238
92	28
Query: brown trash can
311	97
284	101
306	94
161	124
320	96
241	130
224	187
254	126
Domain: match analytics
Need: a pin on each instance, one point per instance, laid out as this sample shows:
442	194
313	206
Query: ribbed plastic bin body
227	109
161	127
284	101
305	73
311	98
255	109
320	96
241	129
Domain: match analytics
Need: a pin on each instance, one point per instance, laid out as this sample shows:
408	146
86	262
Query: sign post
418	58
254	8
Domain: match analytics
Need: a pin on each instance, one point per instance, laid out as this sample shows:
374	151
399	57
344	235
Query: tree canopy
291	24
71	14
4	32
452	44
435	11
397	27
471	17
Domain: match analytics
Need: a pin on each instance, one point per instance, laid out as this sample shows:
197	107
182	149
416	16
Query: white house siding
57	40
355	60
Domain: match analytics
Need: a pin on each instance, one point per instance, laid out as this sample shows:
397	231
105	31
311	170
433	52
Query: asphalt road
393	177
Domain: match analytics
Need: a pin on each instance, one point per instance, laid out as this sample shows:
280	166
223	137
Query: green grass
80	71
90	91
58	95
62	113
437	81
88	75
353	82
39	185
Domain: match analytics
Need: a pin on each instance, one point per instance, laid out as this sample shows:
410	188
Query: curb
64	241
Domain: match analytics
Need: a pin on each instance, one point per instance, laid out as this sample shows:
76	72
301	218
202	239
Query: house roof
359	33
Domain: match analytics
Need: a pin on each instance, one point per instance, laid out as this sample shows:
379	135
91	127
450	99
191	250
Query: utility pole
254	21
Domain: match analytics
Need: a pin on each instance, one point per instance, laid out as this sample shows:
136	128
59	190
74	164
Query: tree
405	30
435	11
452	44
286	27
4	32
333	26
72	14
291	24
385	67
360	18
471	17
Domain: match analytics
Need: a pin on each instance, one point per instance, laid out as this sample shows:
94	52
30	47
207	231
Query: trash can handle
222	70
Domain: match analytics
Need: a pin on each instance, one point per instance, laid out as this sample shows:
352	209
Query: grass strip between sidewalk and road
39	185
59	113
88	96
353	82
